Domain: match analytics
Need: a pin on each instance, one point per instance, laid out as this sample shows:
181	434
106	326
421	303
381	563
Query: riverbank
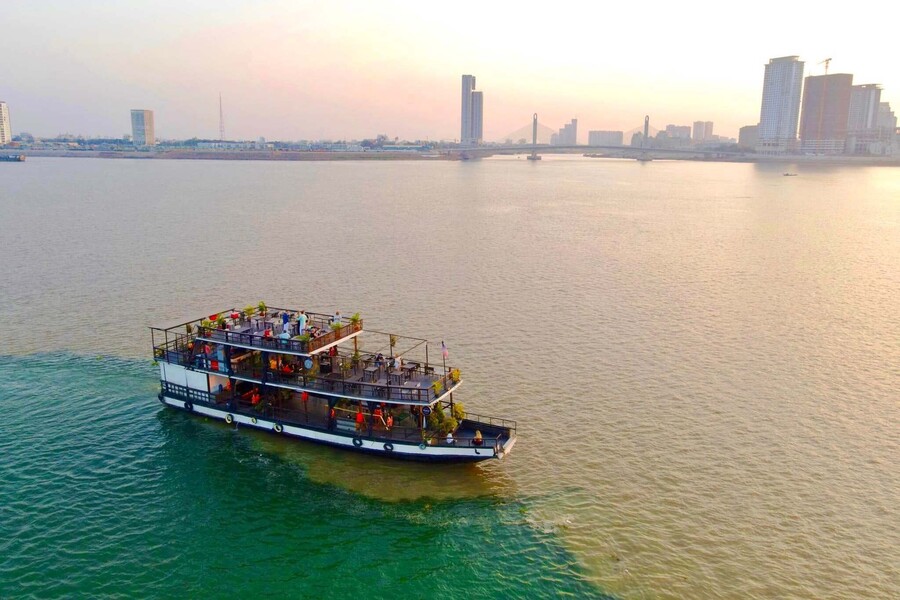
297	155
287	155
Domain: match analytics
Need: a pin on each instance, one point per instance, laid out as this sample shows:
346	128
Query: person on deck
477	439
449	438
337	317
360	420
378	415
301	322
390	420
255	397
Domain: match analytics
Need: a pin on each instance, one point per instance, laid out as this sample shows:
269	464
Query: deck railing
492	421
334	383
276	344
341	425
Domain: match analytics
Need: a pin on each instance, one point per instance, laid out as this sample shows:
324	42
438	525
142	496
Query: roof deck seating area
307	357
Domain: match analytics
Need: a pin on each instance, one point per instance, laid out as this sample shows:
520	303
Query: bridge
611	151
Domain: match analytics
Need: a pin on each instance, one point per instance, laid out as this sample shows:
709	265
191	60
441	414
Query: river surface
703	360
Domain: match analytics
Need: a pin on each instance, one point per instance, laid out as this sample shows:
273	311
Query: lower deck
387	429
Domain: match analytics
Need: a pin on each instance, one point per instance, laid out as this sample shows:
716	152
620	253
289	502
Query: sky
290	70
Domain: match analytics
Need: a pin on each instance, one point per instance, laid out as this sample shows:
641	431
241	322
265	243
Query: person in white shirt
337	317
449	438
301	322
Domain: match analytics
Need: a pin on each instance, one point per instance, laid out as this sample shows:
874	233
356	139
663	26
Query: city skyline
295	71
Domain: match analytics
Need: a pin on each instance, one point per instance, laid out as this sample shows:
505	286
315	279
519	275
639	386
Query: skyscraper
862	122
780	109
468	86
568	135
467	135
703	130
5	132
477	117
826	111
142	130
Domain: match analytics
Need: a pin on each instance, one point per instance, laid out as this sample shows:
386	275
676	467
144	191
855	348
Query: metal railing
336	384
298	417
276	344
492	421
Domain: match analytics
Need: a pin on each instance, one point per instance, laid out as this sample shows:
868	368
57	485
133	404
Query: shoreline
297	155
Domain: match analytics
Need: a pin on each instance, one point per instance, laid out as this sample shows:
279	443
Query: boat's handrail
493	421
261	342
175	351
300	418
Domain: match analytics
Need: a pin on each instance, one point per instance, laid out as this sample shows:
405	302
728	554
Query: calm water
704	361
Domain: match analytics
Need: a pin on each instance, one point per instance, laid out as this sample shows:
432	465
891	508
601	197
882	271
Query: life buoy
422	446
278	428
188	407
229	418
357	442
253	420
388	447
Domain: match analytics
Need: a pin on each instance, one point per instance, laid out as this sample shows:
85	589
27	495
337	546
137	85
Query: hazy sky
289	69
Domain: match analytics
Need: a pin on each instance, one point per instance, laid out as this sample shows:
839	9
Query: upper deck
329	356
265	330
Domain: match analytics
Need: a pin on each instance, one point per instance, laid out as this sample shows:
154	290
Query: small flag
444	352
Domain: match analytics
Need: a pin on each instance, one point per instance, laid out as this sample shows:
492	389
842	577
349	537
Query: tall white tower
5	132
477	117
779	114
466	134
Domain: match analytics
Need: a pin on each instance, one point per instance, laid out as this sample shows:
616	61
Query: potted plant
262	308
355	320
454	375
249	310
221	322
458	411
438	387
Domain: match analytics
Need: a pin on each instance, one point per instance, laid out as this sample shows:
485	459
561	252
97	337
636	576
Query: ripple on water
114	495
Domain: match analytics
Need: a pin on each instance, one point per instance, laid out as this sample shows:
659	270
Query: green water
105	492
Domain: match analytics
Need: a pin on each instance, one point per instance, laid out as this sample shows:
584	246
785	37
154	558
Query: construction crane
826	62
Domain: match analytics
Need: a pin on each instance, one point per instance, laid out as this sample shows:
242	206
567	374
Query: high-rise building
605	138
886	125
477	117
826	110
472	113
864	101
748	136
862	123
5	131
780	109
678	132
703	131
568	135
142	131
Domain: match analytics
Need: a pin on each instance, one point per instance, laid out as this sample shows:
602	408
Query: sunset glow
292	70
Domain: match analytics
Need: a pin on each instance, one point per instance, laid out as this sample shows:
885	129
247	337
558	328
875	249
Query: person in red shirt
255	398
360	420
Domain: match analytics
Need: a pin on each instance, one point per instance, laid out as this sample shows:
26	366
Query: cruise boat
12	158
326	379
